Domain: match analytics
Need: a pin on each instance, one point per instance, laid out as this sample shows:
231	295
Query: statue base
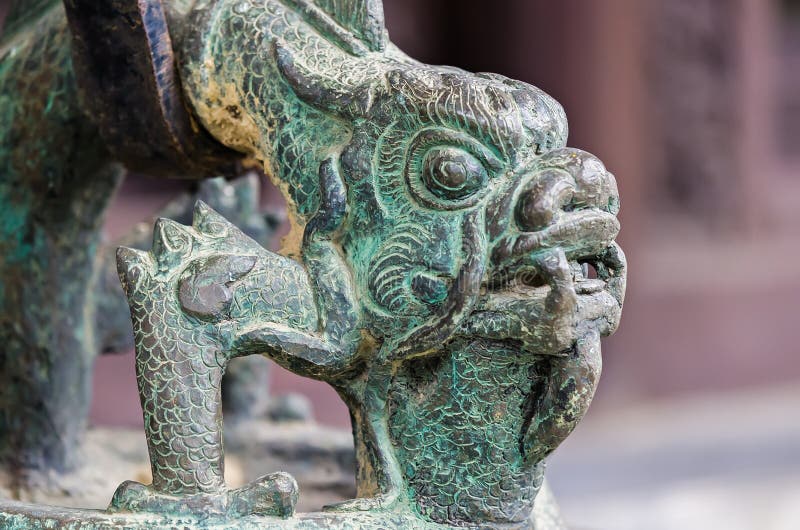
22	516
320	458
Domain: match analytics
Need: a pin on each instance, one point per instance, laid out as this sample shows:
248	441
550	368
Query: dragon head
441	213
458	185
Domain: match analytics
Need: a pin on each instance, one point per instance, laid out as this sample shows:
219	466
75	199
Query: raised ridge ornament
451	269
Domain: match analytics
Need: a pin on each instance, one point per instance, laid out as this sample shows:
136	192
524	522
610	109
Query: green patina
52	207
60	299
435	277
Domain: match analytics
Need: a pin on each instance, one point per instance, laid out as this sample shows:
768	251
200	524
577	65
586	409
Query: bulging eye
449	170
453	174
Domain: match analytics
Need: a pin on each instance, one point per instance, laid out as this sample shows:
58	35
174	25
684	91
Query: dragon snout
566	200
569	201
571	181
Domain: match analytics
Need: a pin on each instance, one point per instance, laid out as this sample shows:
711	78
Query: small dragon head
193	297
201	288
458	186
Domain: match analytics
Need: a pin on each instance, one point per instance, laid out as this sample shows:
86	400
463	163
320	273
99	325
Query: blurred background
695	106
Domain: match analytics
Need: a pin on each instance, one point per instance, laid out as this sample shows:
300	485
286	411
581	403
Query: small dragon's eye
453	174
449	170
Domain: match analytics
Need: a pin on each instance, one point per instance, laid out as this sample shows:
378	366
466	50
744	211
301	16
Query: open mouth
544	307
595	262
590	275
585	278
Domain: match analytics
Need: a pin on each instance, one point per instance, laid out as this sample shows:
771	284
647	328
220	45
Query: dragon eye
449	170
453	174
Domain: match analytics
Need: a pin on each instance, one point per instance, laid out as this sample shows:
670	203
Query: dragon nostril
542	199
530	214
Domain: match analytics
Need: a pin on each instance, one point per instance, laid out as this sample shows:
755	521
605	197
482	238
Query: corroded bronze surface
55	181
57	308
450	273
126	70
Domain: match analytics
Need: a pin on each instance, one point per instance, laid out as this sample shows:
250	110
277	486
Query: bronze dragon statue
438	273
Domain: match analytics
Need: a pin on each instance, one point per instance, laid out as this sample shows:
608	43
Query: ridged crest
171	243
209	222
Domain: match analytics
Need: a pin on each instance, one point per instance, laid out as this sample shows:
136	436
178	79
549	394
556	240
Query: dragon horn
170	238
332	92
208	221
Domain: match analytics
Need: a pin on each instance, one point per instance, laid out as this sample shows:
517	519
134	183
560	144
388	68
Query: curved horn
332	92
126	70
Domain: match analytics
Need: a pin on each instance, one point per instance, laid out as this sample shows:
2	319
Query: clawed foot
377	503
273	495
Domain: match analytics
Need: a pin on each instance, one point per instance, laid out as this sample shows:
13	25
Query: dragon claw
272	495
554	264
134	497
333	208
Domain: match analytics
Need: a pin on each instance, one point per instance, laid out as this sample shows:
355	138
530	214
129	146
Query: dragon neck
237	92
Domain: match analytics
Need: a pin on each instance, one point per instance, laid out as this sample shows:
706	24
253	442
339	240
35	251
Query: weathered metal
436	277
125	67
60	300
55	181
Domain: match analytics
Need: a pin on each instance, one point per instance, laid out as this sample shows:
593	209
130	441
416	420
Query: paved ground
725	462
320	458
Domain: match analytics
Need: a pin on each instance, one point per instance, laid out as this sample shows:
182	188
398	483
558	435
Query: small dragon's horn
208	222
334	92
171	241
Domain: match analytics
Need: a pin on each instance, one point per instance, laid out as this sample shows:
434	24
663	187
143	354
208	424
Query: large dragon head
441	212
457	185
473	232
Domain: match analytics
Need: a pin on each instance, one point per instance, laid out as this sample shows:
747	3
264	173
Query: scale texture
450	272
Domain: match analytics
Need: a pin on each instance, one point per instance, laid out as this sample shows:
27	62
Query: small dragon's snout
566	200
133	267
572	180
